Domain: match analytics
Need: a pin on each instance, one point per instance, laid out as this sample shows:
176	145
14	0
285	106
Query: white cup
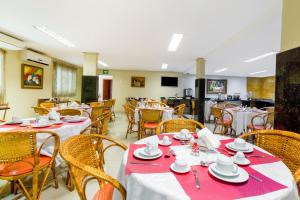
151	147
26	122
180	163
166	140
225	164
239	156
240	143
184	133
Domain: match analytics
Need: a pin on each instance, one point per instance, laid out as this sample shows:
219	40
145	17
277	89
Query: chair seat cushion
225	121
105	193
150	125
22	167
256	127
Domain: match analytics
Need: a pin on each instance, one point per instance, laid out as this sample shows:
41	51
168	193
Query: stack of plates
247	149
180	137
142	154
239	177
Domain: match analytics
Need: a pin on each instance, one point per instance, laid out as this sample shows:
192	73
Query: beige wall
21	100
290	36
261	87
122	88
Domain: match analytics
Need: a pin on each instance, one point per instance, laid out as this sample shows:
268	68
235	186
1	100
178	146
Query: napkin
208	138
53	115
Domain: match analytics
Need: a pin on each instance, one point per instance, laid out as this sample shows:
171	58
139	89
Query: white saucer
227	174
40	125
245	162
160	142
176	136
242	177
137	153
58	122
13	122
232	145
250	149
144	153
180	171
73	120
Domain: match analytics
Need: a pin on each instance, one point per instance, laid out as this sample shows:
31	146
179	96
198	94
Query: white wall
234	85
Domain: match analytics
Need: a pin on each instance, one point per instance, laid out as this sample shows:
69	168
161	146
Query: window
64	80
2	87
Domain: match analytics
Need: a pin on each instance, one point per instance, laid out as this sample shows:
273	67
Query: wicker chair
132	102
175	125
105	119
20	157
96	112
96	103
47	105
131	122
110	104
179	110
222	119
153	103
282	144
85	157
70	112
148	120
267	120
40	110
231	105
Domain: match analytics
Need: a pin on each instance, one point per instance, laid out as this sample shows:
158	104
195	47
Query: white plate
144	153
137	154
232	145
227	174
248	151
40	125
160	142
177	137
243	176
245	162
180	171
80	119
24	125
13	122
58	122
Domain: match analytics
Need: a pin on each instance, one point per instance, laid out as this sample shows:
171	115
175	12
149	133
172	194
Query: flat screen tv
169	81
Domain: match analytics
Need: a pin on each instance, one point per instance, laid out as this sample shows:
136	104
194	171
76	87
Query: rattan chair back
47	105
96	112
16	146
179	110
266	117
105	119
85	157
216	112
70	112
129	113
176	125
150	115
93	104
40	110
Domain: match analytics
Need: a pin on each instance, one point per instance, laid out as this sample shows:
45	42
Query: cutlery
255	177
140	163
195	172
168	154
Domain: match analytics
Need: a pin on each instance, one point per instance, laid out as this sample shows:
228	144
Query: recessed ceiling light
102	63
54	35
221	70
175	41
260	57
258	72
164	66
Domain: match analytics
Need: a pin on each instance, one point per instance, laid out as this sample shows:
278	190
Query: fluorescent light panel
175	41
164	66
221	70
260	57
258	72
54	35
102	63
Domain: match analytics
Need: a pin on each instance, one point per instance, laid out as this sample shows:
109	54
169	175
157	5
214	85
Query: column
200	89
90	61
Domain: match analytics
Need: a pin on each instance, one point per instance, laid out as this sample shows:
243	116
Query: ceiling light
259	72
260	57
102	63
164	66
176	39
221	70
54	35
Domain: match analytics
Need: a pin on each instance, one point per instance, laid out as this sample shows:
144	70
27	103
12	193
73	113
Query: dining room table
269	178
64	130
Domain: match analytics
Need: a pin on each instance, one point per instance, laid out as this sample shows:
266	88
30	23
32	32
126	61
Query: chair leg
215	128
54	175
127	130
69	183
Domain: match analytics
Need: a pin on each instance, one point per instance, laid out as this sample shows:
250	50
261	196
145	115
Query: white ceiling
135	34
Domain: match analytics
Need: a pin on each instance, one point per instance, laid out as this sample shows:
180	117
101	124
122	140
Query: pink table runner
174	141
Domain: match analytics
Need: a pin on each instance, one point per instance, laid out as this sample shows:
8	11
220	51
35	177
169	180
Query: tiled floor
113	159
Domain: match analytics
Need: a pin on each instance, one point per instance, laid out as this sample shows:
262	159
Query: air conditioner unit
10	43
36	57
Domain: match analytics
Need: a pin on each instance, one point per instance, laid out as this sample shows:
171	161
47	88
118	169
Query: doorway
106	90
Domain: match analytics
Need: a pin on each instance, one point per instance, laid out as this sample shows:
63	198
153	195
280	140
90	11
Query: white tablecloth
207	109
167	114
63	132
241	119
164	186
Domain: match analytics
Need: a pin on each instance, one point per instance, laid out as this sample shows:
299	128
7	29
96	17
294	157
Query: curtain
2	78
64	80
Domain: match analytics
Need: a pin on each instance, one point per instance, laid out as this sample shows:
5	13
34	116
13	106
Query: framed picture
216	86
32	77
137	81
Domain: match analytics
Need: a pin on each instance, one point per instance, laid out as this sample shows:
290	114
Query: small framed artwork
137	81
32	77
216	86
